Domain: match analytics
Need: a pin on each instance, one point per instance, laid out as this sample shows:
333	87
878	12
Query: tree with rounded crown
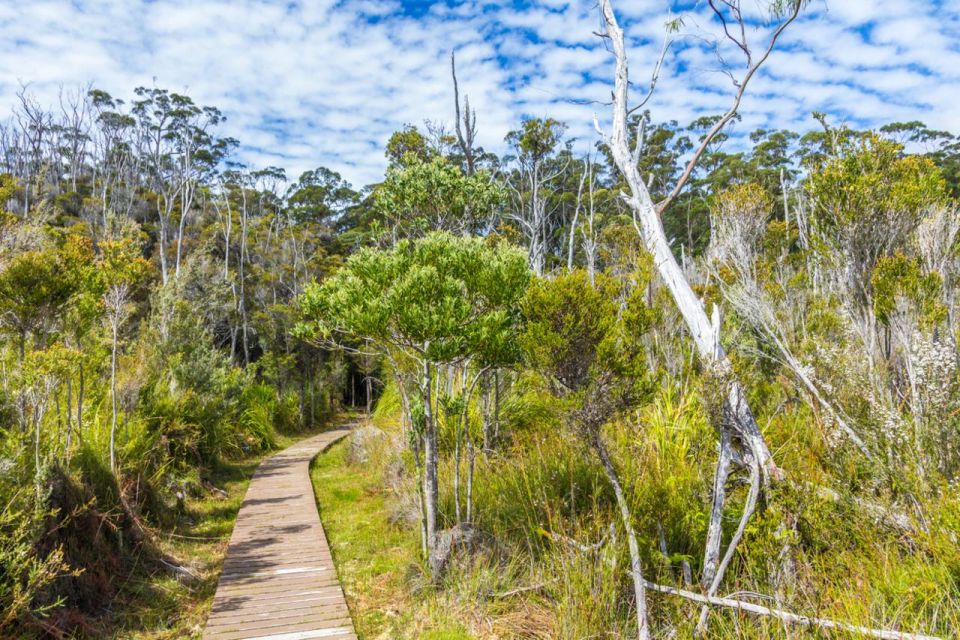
435	301
435	195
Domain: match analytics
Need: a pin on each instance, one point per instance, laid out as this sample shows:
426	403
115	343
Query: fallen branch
786	616
519	590
181	536
177	569
212	488
748	508
579	546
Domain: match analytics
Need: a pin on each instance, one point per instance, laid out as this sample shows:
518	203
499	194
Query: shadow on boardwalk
278	580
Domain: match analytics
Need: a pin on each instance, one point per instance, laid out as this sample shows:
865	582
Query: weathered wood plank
278	580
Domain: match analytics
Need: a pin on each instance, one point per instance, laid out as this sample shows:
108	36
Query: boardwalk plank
278	580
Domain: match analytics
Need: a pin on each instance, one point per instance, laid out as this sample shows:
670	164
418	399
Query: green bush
27	572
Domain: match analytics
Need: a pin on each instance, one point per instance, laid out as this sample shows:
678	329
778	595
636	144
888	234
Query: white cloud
319	82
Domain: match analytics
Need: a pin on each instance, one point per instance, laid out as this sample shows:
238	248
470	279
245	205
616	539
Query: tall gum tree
738	424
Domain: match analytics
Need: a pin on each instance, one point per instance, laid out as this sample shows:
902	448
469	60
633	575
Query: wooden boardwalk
278	580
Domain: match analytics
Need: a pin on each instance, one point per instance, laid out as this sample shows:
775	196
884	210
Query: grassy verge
158	606
373	555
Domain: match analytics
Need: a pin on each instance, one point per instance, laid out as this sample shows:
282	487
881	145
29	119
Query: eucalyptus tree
32	125
594	209
738	423
535	169
74	131
199	154
116	161
320	195
179	152
428	302
155	131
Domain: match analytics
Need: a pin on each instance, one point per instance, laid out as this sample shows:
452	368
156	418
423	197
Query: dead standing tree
738	426
466	124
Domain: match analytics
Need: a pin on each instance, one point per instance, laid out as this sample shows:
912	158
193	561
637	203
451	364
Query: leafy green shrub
26	571
258	412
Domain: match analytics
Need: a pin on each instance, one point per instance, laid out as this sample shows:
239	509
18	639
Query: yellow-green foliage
872	177
665	452
899	280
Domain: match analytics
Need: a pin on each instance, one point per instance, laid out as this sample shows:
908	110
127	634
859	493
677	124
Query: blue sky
317	82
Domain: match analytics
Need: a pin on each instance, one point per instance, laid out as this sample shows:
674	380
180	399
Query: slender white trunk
113	400
430	459
636	568
647	221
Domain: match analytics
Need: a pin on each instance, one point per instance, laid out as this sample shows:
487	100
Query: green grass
160	606
375	558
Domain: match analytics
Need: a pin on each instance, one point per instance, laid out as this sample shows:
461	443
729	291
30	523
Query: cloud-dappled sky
316	82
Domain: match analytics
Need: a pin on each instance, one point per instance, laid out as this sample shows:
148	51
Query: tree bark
113	400
711	555
369	393
430	459
636	568
748	508
69	403
80	406
649	226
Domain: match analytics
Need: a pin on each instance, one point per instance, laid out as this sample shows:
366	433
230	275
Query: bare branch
787	616
655	76
742	43
732	111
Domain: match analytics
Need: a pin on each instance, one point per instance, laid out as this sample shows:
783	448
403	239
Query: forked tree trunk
647	220
711	557
716	578
738	421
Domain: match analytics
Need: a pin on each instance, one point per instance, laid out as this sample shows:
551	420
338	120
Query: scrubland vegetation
144	307
670	388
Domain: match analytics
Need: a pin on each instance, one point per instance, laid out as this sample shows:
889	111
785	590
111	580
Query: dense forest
696	380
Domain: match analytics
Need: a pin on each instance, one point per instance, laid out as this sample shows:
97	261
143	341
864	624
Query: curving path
278	580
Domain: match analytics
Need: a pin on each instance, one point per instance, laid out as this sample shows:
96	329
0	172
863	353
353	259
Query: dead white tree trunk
589	230
466	125
646	216
576	216
636	568
748	508
737	420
